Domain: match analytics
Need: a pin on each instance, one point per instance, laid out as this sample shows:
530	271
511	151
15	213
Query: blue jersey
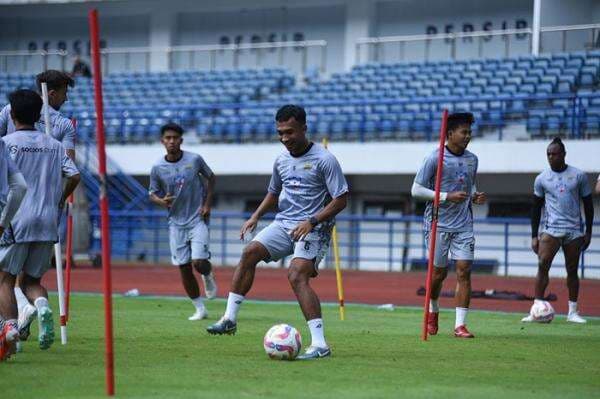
62	128
183	180
43	162
562	193
458	175
306	183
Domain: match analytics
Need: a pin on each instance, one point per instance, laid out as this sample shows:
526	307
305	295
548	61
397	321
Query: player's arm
268	203
17	188
597	189
425	174
155	189
588	210
536	216
210	189
70	186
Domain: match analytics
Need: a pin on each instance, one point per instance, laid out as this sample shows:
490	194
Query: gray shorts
277	240
562	235
33	258
460	245
188	243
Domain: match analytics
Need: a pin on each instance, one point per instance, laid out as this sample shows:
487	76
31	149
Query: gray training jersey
182	179
562	192
43	162
458	175
62	128
7	168
305	184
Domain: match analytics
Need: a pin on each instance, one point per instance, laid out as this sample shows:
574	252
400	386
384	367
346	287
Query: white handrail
569	27
18	53
441	36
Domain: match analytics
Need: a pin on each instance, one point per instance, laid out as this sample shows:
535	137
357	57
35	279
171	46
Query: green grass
376	354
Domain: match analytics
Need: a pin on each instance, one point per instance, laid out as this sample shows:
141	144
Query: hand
167	200
205	213
301	231
457	196
535	244
248	227
587	239
479	198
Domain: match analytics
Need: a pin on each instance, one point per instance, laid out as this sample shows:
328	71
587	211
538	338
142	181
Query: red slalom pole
434	220
104	219
69	249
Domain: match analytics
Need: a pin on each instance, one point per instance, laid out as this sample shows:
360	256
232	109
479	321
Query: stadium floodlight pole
104	220
338	269
434	220
69	249
57	248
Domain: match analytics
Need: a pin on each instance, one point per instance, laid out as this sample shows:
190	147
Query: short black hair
171	126
460	118
25	106
55	80
559	143
291	111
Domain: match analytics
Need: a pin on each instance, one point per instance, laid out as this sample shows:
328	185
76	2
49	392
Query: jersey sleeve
68	166
155	186
427	171
4	117
203	167
275	183
538	187
584	186
334	177
70	136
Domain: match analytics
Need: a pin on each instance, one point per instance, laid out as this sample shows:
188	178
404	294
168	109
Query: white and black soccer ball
282	342
542	312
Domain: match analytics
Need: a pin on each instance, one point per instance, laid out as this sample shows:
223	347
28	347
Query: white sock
461	317
198	303
41	302
434	306
572	307
234	301
22	300
316	333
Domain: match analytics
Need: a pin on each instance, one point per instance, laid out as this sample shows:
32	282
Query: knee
202	266
251	255
463	274
440	273
296	278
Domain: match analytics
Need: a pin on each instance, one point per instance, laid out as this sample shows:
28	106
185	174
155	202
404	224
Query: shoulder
470	155
577	171
542	176
159	162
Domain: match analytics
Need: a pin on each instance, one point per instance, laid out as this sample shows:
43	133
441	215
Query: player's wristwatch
313	220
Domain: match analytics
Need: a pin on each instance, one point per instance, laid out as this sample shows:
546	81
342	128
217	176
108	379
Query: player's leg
440	272
181	256
9	331
462	248
12	259
304	266
572	252
27	311
37	264
547	249
272	243
200	258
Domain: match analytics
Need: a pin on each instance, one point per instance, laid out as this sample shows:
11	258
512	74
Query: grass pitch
376	354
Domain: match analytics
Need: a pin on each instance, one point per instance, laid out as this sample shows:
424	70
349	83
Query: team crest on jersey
307	166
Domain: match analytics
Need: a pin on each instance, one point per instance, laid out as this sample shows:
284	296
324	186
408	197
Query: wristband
313	220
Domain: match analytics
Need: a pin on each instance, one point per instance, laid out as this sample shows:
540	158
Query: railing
366	242
447	45
230	56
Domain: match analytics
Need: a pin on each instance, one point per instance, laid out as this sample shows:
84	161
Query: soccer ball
282	342
542	312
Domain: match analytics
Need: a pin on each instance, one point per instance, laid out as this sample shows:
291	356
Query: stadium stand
557	94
